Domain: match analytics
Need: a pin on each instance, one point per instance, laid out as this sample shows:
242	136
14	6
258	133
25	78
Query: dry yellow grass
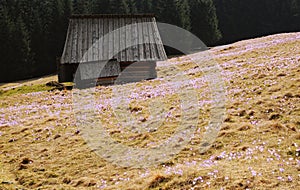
41	148
30	82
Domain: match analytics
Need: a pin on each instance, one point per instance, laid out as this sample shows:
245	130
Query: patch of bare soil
256	148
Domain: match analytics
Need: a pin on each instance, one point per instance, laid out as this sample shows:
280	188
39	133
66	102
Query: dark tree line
243	19
199	16
32	32
31	37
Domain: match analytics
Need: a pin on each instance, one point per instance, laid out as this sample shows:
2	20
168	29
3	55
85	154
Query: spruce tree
80	7
131	5
204	21
143	6
56	34
67	10
100	6
295	15
118	7
166	11
185	15
6	49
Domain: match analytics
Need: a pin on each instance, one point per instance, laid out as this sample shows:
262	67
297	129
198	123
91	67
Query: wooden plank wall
99	69
125	72
138	71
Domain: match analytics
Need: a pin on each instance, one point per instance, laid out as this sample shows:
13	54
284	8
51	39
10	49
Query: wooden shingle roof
126	38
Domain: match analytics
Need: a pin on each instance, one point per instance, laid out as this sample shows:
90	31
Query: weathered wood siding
99	69
138	71
125	38
111	48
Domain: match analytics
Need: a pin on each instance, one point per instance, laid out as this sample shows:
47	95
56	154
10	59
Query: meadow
257	146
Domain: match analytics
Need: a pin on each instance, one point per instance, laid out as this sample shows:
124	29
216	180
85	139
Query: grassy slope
40	146
28	83
23	90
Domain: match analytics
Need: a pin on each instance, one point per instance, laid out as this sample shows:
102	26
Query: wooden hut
107	47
